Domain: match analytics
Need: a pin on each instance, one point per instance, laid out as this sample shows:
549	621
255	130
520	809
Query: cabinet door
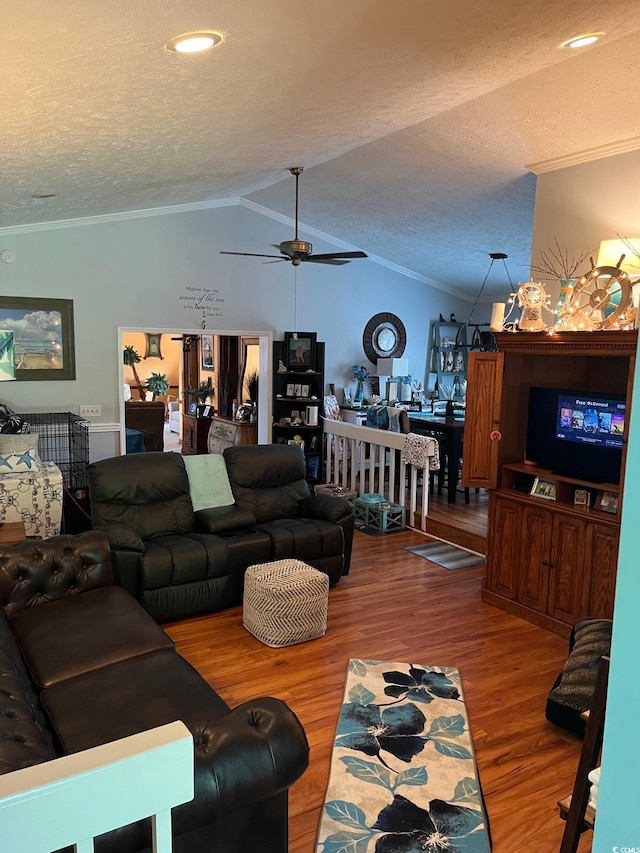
603	558
569	570
503	547
482	420
537	526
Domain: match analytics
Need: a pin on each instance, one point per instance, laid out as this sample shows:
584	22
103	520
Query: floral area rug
403	776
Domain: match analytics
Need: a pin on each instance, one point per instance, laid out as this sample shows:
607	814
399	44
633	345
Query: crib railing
370	460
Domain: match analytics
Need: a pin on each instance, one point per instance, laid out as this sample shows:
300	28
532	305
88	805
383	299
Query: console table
225	432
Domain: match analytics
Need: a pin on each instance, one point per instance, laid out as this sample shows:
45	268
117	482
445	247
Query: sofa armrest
256	751
223	519
121	538
325	507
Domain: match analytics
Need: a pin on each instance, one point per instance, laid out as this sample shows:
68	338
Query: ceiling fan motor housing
295	247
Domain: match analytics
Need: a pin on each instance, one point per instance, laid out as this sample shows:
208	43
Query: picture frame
45	349
393	391
153	346
206	352
304	390
312	467
313	442
582	497
300	443
192	408
298	391
545	489
607	502
291	390
299	350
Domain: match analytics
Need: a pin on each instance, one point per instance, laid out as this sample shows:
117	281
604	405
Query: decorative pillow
19	453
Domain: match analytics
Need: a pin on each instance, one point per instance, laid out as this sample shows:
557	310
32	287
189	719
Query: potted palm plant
131	357
157	384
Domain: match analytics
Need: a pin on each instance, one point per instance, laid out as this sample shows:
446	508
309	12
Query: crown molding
117	217
349	247
610	150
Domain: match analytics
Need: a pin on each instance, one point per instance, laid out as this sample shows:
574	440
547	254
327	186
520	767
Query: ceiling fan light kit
298	251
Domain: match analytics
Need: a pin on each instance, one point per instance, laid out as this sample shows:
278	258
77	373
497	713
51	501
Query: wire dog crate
63	438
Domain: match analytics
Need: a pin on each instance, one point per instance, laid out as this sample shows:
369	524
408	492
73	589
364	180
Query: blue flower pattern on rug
440	808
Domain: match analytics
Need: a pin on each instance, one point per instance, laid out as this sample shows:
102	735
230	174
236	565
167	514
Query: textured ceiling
415	120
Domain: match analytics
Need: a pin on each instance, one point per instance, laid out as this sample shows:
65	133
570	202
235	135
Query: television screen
576	434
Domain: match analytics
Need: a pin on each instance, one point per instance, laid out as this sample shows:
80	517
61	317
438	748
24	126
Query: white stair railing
364	459
72	799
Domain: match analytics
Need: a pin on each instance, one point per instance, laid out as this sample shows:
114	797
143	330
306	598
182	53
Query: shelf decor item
544	489
360	374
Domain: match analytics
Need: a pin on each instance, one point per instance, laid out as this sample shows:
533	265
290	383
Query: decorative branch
556	264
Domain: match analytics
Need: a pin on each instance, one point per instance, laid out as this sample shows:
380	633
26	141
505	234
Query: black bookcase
301	392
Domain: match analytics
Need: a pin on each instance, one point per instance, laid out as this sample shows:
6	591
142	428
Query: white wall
585	204
150	272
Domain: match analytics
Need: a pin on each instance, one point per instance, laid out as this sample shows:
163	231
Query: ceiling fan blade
338	255
254	255
323	259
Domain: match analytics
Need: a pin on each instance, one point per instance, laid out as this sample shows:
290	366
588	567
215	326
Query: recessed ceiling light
193	42
582	41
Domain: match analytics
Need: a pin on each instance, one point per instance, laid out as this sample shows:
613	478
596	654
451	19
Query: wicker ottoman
285	602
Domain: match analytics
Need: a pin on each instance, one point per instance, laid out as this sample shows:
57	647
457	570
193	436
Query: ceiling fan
298	251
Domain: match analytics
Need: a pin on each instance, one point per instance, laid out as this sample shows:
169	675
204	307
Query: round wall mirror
384	336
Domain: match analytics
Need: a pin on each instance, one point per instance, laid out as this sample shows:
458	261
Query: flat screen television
576	434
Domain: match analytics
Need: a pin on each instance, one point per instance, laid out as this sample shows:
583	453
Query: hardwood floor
399	607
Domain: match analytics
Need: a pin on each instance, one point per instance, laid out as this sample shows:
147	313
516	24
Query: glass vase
564	298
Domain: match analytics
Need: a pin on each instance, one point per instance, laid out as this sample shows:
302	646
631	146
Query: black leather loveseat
178	562
82	664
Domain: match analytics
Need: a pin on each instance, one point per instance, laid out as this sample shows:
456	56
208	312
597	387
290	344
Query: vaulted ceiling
416	120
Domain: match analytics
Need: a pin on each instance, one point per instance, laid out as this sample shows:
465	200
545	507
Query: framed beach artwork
43	336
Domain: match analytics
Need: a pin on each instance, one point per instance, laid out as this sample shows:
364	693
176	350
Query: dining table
449	429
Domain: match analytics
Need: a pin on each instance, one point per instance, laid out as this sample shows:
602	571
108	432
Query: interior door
481	443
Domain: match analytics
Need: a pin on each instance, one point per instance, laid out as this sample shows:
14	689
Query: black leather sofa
83	664
178	562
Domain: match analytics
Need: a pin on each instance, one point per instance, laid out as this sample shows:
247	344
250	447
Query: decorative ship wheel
532	299
601	299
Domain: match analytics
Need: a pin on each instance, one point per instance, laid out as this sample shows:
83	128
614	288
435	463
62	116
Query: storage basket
285	602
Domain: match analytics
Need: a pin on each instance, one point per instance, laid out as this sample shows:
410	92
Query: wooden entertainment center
551	562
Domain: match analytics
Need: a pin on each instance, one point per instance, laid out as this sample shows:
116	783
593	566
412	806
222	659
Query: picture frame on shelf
304	390
300	350
192	408
44	343
297	390
312	467
545	489
606	502
582	497
393	391
291	390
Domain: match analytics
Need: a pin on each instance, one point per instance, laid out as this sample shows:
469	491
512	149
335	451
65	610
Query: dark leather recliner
178	562
269	482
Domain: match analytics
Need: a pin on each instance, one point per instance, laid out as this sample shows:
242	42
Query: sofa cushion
304	539
37	571
62	639
267	480
172	560
24	736
148	492
128	697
